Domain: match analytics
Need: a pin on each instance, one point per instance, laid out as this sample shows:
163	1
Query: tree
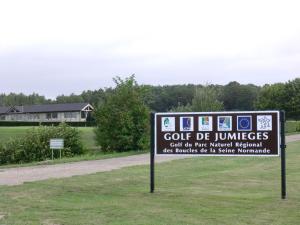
69	98
165	98
13	99
205	100
272	97
292	95
123	119
281	96
96	98
236	96
182	108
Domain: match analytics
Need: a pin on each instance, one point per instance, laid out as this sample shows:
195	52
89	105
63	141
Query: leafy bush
34	146
123	119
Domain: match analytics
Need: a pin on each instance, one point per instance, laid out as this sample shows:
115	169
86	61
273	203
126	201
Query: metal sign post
241	133
282	148
152	153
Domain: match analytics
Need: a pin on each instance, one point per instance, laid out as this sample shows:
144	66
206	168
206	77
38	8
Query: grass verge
199	190
87	135
292	127
85	157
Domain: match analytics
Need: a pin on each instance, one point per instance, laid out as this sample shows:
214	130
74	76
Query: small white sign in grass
57	143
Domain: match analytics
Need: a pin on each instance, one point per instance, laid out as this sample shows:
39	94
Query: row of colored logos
224	123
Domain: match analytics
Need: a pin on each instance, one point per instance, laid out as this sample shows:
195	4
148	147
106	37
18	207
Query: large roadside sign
249	133
242	133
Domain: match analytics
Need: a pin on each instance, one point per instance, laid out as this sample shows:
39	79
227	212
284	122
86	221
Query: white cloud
188	28
165	37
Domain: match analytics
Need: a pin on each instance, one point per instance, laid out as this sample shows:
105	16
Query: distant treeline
234	96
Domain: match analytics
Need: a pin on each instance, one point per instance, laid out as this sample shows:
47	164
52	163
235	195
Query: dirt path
17	176
291	138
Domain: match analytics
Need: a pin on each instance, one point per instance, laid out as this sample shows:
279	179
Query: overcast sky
59	46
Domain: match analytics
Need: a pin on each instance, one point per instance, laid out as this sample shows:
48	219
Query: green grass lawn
87	135
291	127
11	132
198	190
95	155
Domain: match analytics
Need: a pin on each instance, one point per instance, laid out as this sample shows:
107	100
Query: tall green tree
123	118
206	99
281	96
164	98
272	97
292	94
236	96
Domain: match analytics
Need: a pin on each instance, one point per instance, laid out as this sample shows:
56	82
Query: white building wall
42	117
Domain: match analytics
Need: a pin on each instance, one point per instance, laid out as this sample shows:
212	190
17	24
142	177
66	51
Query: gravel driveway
17	176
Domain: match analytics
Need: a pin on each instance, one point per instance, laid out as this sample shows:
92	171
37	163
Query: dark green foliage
123	119
95	98
165	98
285	96
182	108
292	106
72	98
34	146
205	100
272	97
21	99
236	96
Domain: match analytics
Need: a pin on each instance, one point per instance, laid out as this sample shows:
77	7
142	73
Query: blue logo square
244	123
186	123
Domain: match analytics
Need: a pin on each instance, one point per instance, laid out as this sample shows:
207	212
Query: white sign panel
56	143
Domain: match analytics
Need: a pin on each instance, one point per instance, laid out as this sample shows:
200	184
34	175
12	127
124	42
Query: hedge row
22	123
34	146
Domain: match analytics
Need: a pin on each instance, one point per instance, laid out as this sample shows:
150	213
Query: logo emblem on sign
168	124
244	123
205	123
186	124
224	123
264	122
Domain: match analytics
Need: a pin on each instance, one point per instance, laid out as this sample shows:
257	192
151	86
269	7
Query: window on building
83	114
51	116
67	115
48	116
36	116
54	115
70	115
